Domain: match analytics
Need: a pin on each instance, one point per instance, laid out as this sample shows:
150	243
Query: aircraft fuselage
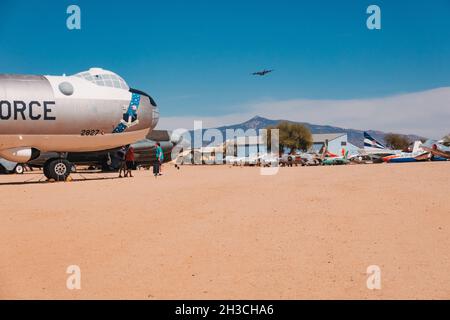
90	111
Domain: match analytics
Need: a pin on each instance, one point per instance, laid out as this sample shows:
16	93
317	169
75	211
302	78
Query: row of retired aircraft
429	150
372	152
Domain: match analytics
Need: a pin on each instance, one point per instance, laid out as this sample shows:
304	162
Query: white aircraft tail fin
417	147
370	143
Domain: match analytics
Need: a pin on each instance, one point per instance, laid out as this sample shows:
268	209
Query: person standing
129	160
159	160
121	154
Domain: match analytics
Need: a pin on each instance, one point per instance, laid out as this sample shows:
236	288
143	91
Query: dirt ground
223	232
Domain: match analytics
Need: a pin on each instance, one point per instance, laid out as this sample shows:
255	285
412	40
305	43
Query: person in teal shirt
159	160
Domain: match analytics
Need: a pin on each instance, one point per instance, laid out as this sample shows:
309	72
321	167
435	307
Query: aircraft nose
153	110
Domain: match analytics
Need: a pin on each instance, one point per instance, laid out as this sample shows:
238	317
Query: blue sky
195	57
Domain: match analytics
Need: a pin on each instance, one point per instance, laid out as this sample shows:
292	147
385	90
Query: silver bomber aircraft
89	111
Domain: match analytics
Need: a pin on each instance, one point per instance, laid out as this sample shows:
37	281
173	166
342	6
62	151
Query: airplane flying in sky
262	73
89	111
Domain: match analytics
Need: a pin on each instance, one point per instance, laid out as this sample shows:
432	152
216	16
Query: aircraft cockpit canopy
103	78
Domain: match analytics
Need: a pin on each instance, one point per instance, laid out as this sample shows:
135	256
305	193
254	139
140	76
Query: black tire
46	167
58	170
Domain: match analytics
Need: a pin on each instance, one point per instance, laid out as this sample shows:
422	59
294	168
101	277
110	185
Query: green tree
397	141
292	135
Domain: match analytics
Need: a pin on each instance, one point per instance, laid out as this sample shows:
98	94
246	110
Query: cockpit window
104	80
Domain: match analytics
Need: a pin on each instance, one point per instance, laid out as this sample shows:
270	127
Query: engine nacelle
175	138
20	155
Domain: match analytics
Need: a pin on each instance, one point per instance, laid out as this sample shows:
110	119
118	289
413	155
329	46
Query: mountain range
355	136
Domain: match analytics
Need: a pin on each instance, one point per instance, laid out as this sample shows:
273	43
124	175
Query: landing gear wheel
19	169
46	167
57	169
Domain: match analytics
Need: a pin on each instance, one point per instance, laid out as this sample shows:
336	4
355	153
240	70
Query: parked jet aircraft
89	111
417	154
327	158
375	149
336	160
